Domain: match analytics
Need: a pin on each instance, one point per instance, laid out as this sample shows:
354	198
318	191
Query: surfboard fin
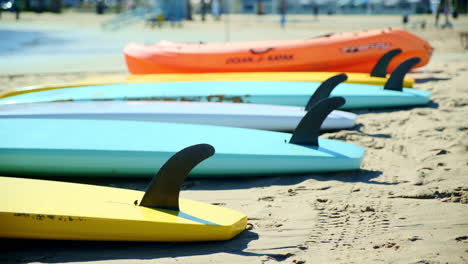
163	190
380	68
324	90
395	82
308	129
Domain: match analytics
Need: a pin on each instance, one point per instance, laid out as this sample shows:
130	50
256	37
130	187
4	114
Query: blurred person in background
129	5
315	9
175	12
203	9
188	5
13	6
283	7
444	6
260	7
216	9
100	6
17	8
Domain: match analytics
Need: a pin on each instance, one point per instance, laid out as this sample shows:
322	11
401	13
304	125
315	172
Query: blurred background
184	9
55	36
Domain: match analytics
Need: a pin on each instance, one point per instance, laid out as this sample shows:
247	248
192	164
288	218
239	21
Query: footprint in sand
341	226
266	198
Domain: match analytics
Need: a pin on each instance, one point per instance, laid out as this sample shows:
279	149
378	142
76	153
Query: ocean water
38	50
31	48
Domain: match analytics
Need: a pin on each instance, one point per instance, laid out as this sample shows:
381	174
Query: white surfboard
256	116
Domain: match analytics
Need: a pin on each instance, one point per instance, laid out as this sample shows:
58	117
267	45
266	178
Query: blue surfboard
134	149
273	93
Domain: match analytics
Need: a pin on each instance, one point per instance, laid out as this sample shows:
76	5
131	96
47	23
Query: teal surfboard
50	147
273	93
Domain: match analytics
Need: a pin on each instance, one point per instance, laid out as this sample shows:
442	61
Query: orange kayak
344	52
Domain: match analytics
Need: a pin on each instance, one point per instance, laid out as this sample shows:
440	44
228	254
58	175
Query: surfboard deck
40	209
275	93
99	148
255	116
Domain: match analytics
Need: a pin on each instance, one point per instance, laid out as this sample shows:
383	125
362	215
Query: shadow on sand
364	176
229	183
236	183
430	79
430	104
51	251
359	127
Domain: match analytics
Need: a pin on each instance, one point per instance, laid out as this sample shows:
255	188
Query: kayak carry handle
163	190
380	68
395	82
325	89
322	36
308	130
260	51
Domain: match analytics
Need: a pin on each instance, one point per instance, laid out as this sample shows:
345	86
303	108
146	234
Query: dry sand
408	203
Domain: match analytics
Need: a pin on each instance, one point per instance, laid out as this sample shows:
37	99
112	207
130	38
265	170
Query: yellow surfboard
199	77
361	78
40	209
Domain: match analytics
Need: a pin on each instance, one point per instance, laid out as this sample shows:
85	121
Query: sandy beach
408	203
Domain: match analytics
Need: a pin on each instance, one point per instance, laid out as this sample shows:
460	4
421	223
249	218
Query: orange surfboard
344	52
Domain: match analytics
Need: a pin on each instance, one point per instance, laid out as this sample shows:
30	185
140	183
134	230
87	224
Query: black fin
380	68
324	90
163	191
308	130
395	82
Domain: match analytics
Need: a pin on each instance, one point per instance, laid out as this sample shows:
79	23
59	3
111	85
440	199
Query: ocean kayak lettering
353	49
239	60
279	57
